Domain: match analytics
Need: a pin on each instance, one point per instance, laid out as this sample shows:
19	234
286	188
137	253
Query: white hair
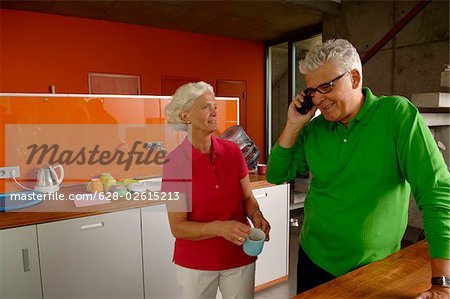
339	51
182	100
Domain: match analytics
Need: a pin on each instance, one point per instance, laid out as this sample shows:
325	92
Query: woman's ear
184	117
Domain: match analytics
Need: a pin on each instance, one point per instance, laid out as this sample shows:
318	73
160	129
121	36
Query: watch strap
443	281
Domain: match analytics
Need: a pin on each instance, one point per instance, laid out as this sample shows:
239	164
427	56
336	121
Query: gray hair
339	51
183	100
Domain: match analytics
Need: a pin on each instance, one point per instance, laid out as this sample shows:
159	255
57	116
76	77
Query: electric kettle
47	180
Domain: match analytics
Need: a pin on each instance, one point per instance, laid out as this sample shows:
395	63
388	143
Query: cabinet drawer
278	192
92	257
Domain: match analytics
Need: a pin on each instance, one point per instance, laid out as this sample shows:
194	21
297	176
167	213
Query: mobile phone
307	103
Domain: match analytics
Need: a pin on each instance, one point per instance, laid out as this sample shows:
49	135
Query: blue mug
254	244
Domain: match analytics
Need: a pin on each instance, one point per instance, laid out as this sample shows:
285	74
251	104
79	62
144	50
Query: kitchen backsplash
89	135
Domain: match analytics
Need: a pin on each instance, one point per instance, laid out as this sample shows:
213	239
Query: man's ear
356	78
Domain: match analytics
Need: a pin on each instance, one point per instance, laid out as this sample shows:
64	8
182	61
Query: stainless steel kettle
47	180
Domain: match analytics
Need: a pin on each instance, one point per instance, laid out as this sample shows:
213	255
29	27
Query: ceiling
261	20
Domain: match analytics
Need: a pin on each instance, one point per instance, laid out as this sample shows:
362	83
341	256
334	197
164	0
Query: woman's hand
260	222
233	231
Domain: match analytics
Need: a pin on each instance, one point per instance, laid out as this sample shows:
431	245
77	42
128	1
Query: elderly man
365	153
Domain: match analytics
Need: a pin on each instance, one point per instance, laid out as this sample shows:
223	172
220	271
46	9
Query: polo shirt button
345	140
217	186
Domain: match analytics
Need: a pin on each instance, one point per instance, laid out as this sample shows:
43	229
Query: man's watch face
443	281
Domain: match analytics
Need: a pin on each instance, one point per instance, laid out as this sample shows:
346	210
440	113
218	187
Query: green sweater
356	209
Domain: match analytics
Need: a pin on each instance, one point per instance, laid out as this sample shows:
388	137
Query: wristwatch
443	281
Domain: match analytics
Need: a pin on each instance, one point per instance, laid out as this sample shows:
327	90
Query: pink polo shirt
215	194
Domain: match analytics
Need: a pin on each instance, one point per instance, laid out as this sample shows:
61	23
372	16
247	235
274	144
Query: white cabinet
273	262
158	243
119	255
19	263
92	257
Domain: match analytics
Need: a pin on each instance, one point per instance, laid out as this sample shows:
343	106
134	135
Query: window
284	81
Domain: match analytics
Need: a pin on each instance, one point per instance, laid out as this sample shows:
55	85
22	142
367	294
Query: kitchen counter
60	210
405	274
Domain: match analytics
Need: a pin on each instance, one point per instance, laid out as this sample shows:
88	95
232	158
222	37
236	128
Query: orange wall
38	50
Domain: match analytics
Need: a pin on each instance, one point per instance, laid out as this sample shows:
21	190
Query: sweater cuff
439	248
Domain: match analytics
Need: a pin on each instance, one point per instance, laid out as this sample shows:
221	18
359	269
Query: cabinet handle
92	226
261	195
25	260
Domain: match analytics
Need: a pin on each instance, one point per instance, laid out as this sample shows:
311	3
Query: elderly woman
213	177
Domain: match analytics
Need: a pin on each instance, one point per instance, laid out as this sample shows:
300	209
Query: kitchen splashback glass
114	123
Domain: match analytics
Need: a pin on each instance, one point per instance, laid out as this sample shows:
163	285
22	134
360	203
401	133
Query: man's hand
435	292
294	117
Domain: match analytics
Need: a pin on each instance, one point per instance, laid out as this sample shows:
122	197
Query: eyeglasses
325	87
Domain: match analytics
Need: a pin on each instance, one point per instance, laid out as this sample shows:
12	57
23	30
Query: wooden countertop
405	274
65	209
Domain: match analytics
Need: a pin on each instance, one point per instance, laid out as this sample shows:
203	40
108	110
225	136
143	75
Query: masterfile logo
86	151
54	155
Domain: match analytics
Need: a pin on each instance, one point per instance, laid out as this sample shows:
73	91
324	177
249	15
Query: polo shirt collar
196	154
367	110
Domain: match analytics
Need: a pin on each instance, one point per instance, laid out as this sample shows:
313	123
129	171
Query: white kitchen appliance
47	180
